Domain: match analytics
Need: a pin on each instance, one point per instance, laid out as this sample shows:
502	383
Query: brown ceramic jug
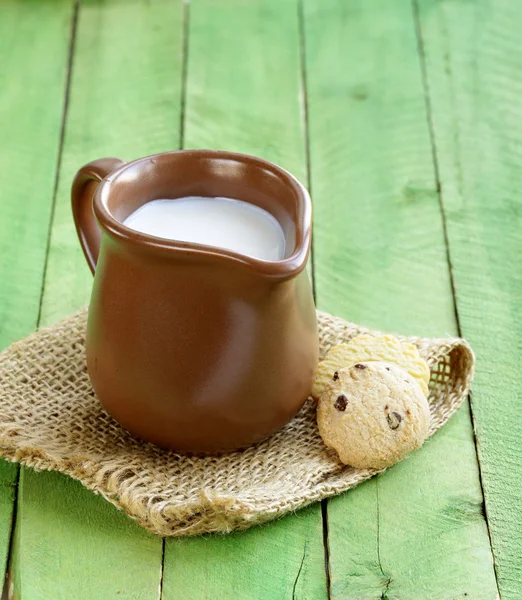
189	346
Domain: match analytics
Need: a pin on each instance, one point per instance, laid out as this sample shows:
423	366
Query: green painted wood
8	481
283	559
471	57
418	531
244	89
32	82
70	543
243	94
124	101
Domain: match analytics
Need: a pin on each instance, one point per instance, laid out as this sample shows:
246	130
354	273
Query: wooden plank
418	531
70	543
32	82
124	101
471	53
243	93
284	559
246	105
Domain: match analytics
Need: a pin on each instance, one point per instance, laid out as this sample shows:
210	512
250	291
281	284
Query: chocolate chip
360	366
387	368
335	376
394	420
341	402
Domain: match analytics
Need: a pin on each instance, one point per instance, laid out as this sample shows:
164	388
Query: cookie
373	414
365	347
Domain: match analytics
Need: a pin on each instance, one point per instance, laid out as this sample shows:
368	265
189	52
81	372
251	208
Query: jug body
193	348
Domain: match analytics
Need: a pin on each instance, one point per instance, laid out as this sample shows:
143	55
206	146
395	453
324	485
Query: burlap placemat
50	419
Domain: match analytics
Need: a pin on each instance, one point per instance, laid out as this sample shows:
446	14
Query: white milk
221	222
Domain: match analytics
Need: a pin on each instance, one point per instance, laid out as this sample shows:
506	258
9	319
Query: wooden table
403	117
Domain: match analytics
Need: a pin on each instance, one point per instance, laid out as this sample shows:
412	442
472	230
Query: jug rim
286	267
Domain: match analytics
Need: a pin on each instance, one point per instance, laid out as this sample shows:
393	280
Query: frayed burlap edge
50	419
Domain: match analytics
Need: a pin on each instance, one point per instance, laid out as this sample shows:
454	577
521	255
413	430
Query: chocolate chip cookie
373	414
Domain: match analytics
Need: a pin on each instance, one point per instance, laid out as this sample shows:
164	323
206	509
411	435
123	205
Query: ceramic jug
191	347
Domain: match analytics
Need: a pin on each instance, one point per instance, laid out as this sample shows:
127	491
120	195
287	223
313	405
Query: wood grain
472	54
281	560
243	94
244	80
124	101
8	487
32	83
418	531
70	543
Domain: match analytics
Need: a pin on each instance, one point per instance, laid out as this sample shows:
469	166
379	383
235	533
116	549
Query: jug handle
84	185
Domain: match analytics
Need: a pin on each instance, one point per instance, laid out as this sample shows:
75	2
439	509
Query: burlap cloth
50	419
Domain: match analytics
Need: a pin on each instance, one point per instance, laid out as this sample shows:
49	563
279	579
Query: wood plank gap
70	59
304	111
304	91
431	128
162	569
7	578
184	70
72	39
326	544
384	595
436	167
183	99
